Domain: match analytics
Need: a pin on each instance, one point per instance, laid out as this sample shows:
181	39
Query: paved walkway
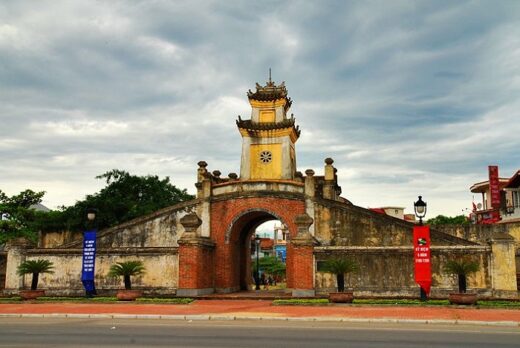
264	310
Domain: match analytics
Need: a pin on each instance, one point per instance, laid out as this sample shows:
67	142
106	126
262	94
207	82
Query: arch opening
241	237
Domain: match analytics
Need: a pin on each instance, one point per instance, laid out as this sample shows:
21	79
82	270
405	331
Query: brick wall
195	261
302	267
230	218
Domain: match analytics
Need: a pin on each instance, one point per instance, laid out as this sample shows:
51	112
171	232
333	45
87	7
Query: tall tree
448	220
17	219
125	197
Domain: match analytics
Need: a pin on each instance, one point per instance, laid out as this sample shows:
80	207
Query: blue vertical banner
89	261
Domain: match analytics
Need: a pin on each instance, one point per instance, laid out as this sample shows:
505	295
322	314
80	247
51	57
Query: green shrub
126	270
35	267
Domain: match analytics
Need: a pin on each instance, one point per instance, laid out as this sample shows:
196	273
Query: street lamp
257	278
91	214
420	209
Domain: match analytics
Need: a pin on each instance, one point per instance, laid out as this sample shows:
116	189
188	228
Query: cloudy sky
408	97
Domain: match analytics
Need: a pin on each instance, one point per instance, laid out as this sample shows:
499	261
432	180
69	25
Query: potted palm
34	267
462	268
341	266
127	270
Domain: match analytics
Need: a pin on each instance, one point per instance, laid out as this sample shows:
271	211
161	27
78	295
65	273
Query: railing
488	216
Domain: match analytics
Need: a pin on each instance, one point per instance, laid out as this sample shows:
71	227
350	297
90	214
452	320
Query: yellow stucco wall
267	116
161	271
270	170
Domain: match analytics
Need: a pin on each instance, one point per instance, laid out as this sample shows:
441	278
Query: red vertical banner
422	259
494	187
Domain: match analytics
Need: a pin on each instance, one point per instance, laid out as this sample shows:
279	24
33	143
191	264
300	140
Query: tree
271	265
126	270
17	219
461	268
447	220
124	198
339	266
35	267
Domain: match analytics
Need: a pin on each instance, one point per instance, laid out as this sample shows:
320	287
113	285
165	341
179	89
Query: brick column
196	265
302	258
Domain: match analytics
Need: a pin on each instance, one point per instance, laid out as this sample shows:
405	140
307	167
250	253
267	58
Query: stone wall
389	271
339	224
3	267
481	233
54	239
161	266
152	239
382	245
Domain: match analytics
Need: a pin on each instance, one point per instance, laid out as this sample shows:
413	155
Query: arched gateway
215	256
203	246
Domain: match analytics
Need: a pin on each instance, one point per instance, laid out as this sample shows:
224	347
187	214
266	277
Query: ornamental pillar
503	266
301	257
330	182
16	251
196	259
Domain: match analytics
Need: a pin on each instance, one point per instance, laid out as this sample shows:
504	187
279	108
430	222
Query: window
516	199
266	156
321	266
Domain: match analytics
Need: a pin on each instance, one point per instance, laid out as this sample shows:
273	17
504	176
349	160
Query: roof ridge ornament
270	91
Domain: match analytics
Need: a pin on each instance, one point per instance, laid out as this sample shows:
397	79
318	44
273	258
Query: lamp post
89	254
420	211
91	215
257	278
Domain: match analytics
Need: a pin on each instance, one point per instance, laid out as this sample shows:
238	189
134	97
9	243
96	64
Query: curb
191	318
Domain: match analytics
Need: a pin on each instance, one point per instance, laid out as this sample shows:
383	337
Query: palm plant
35	267
462	268
126	270
340	266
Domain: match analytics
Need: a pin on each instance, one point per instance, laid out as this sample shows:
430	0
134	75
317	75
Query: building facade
508	207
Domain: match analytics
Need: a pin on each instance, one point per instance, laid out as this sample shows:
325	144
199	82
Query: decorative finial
270	76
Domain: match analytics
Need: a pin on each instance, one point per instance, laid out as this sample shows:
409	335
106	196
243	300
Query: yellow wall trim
273	133
267	104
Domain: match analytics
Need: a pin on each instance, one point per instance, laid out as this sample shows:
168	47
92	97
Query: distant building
397	212
272	247
280	242
40	207
508	207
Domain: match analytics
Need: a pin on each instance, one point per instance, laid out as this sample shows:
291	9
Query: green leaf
127	268
341	265
35	266
461	266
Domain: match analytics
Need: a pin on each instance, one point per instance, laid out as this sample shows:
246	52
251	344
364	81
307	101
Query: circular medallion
266	156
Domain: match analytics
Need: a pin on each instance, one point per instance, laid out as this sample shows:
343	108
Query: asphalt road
99	333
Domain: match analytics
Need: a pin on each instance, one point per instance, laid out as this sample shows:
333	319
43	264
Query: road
99	333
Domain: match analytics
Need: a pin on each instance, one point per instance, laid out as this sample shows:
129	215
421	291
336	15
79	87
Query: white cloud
408	98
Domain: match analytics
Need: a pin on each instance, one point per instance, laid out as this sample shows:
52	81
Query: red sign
494	186
421	254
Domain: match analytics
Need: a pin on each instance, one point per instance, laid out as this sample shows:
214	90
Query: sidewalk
264	310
